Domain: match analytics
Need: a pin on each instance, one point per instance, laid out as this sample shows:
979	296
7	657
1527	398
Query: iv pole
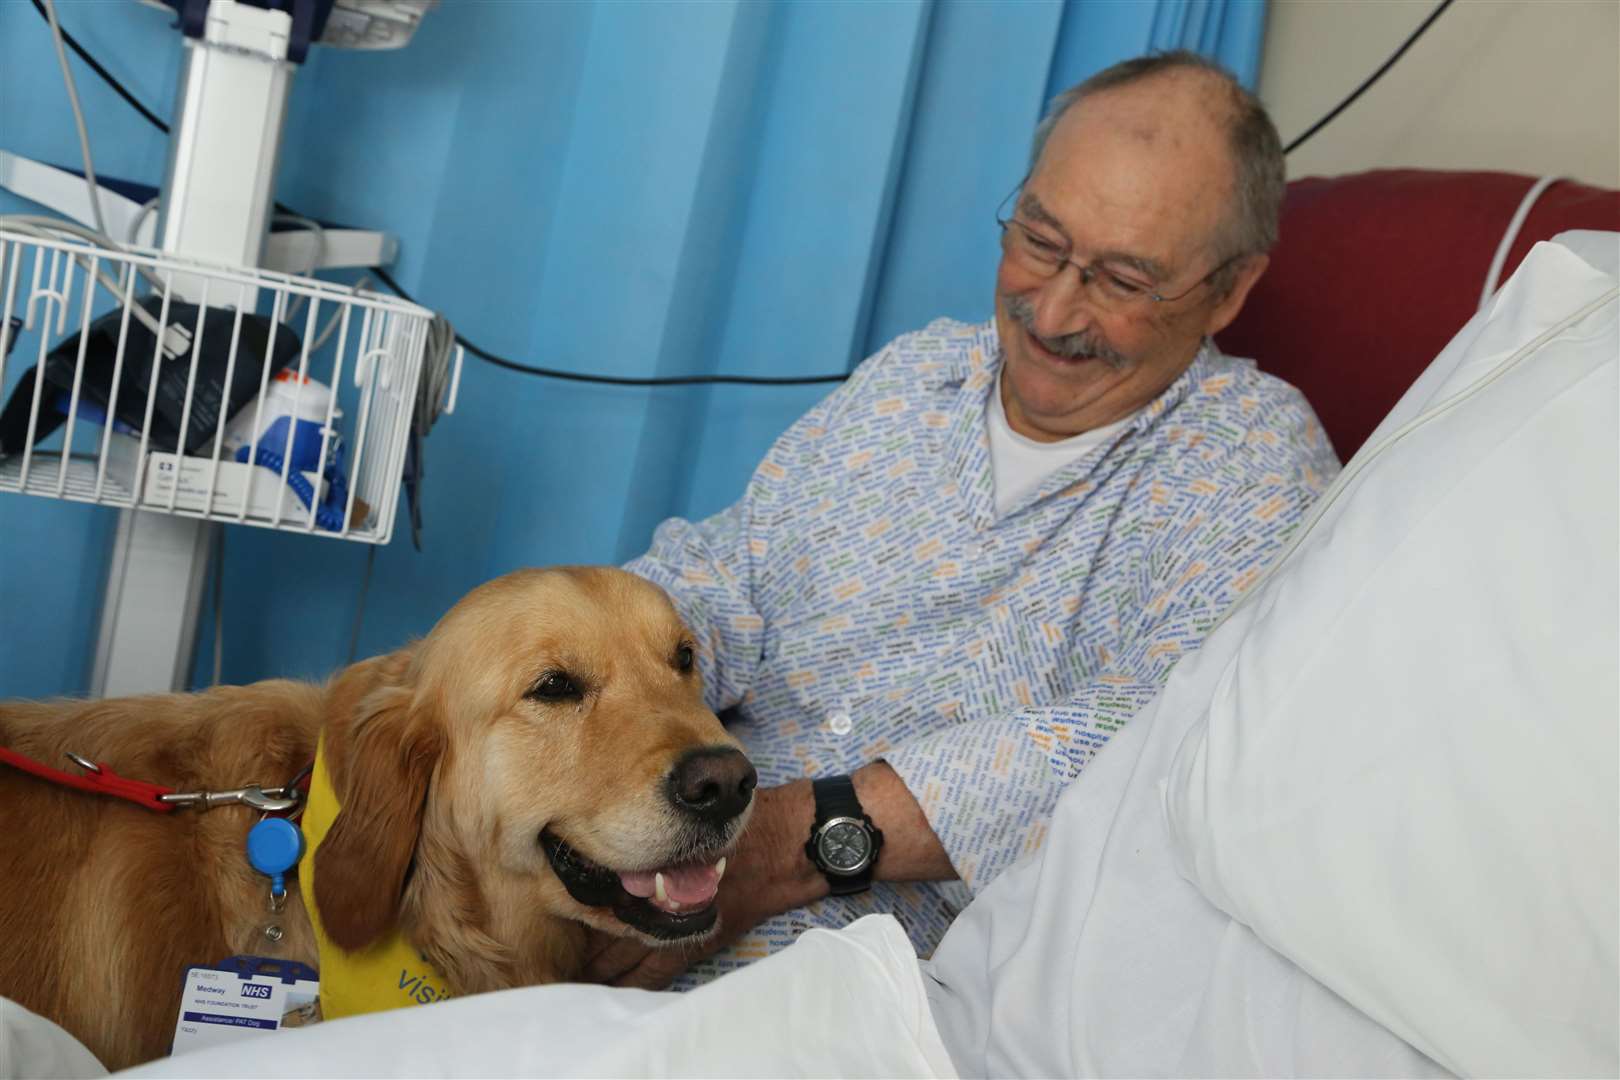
216	201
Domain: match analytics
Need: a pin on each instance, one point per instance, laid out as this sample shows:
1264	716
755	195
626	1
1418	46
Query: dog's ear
380	751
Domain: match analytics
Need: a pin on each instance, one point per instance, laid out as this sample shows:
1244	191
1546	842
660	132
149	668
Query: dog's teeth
720	869
658	888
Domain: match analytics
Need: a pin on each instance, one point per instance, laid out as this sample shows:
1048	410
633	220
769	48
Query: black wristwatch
844	844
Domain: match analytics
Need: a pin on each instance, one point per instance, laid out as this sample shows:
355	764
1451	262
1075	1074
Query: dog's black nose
714	783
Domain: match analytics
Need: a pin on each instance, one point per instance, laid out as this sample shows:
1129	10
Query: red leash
96	779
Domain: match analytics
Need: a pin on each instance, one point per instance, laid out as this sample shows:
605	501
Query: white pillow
1406	781
846	1003
34	1048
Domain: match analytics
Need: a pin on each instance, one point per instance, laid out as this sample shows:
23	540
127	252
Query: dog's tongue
684	886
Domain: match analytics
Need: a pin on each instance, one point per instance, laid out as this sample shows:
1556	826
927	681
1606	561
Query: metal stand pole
216	206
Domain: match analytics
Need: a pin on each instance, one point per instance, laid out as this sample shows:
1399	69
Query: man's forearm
911	851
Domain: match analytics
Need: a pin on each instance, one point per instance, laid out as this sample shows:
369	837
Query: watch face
844	846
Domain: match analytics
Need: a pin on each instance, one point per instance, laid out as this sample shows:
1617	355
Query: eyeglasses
1110	287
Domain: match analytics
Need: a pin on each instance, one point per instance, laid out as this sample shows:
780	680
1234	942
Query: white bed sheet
1100	959
844	1004
1408	778
34	1048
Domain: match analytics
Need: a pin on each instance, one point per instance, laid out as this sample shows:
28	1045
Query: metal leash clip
269	800
84	763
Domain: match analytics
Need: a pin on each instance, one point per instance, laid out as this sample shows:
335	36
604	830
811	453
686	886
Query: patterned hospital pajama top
864	601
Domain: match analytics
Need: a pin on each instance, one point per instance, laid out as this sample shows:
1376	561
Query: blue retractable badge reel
274	846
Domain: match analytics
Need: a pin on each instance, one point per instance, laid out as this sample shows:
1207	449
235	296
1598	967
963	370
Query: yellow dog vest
389	973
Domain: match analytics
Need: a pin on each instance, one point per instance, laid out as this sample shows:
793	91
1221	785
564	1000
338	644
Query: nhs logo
255	990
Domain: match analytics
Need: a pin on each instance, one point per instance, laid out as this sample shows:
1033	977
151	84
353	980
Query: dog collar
387	974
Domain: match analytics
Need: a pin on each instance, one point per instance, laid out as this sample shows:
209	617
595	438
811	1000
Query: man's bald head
1182	89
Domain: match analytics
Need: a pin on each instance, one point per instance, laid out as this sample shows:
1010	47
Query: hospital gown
864	600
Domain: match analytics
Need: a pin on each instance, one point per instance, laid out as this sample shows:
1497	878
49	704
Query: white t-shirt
1020	464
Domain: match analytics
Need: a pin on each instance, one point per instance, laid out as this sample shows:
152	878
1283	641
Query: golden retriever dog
542	762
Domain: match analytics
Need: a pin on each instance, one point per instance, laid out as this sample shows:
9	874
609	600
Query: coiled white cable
1512	234
78	118
1366	455
50	228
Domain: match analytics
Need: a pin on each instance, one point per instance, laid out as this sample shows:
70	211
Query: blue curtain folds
630	188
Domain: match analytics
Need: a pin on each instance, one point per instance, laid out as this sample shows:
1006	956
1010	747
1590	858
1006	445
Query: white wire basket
133	378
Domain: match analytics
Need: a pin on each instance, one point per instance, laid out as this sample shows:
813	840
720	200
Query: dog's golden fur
447	767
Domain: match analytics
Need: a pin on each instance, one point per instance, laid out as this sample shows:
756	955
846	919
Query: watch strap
835	798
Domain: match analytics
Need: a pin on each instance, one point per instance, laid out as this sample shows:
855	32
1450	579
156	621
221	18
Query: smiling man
949	583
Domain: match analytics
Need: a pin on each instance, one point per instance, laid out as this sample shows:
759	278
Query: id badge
242	997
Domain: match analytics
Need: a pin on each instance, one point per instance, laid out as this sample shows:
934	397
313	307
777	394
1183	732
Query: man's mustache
1068	346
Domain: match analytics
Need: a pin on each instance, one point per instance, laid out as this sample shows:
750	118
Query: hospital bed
1368	829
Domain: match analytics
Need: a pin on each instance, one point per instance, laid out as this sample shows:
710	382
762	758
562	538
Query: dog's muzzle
709	791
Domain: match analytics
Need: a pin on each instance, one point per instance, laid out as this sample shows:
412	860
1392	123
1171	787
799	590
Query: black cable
360	605
152	117
1374	77
616	380
103	72
678	380
789	381
689	380
218	559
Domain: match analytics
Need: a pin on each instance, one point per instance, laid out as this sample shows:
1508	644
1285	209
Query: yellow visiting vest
388	974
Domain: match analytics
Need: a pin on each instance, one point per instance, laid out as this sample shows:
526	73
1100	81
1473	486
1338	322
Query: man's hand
770	874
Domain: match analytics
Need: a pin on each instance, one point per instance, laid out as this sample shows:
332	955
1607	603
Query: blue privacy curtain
630	188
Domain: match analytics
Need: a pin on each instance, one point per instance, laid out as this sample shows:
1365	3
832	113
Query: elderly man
953	579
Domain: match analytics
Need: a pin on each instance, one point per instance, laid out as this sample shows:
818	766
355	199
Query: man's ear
381	759
1246	273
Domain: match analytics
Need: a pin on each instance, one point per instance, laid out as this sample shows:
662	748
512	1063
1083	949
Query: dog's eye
555	686
684	657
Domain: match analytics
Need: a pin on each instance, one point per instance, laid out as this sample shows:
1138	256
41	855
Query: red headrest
1375	272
